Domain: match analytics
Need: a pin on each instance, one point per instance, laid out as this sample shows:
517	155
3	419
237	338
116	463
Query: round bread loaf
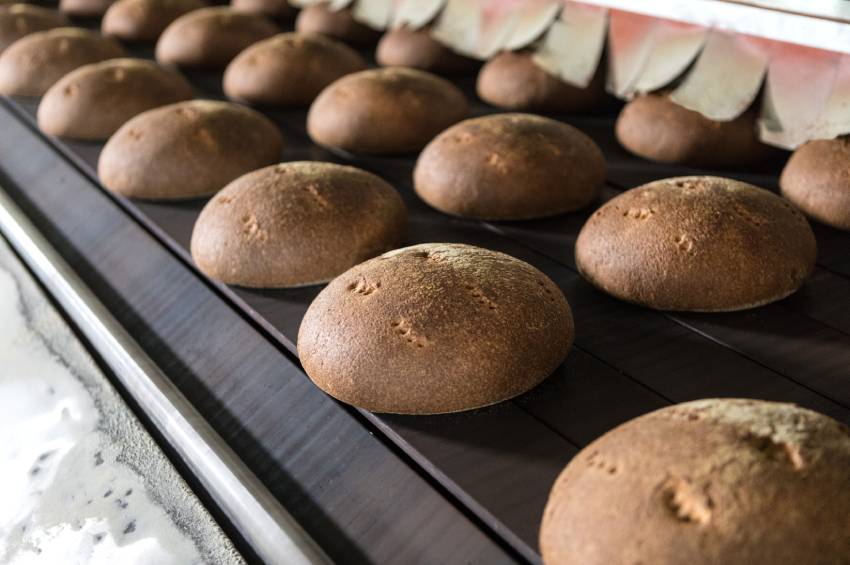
144	20
339	24
84	8
509	167
278	9
656	128
19	20
697	243
706	482
34	63
513	81
384	111
296	224
435	328
211	37
416	48
92	102
817	180
186	150
289	69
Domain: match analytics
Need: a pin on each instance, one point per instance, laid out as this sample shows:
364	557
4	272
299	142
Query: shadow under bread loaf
697	243
706	482
19	20
278	9
817	180
416	48
338	24
84	8
144	20
435	328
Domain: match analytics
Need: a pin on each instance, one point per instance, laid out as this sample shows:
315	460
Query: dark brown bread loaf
706	482
33	64
279	9
84	8
19	20
509	167
384	111
92	102
817	180
289	69
187	150
144	20
338	24
211	37
296	224
416	48
697	243
435	328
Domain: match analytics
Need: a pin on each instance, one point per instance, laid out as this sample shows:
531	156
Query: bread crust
144	20
20	20
416	48
817	180
278	9
84	8
339	24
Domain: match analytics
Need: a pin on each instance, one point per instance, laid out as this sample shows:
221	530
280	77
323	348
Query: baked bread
211	37
435	328
19	20
289	69
384	111
697	243
296	224
278	9
144	20
656	128
513	81
92	102
84	8
34	63
187	150
416	48
509	167
339	24
706	482
817	180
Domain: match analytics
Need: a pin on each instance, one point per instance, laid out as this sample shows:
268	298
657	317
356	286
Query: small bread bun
296	224
435	328
278	9
211	37
92	102
384	111
697	243
144	20
84	8
416	48
289	69
513	81
817	180
187	150
19	20
509	167
34	63
339	24
706	482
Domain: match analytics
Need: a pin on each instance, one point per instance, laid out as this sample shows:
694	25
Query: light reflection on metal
630	38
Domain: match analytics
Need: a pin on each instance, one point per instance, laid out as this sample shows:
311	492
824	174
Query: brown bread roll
211	37
144	20
296	224
513	81
84	8
416	48
186	150
19	20
33	64
817	180
319	18
697	243
706	482
278	9
289	69
509	167
384	111
95	100
656	128
435	328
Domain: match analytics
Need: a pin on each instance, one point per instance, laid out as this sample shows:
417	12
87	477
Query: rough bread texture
187	150
19	20
211	37
33	64
84	8
385	111
817	180
289	69
697	243
509	167
95	100
435	328
513	81
144	20
416	48
279	9
339	24
706	482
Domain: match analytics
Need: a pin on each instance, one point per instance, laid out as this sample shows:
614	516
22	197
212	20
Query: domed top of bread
706	482
416	48
435	328
19	20
295	224
84	8
509	167
384	111
697	243
144	20
273	8
186	150
339	24
817	179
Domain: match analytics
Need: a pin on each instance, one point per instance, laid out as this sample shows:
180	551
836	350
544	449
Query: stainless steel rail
270	530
